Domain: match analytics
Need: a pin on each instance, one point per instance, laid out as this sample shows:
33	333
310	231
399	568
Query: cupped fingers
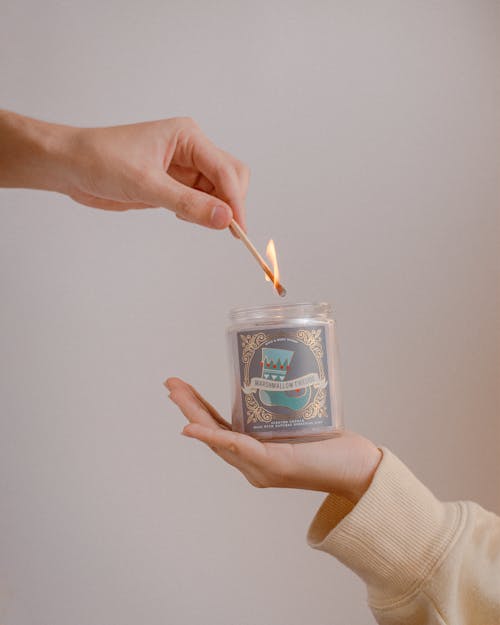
213	412
228	175
193	406
188	203
242	173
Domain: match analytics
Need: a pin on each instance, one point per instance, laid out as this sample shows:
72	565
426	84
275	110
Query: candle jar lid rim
282	311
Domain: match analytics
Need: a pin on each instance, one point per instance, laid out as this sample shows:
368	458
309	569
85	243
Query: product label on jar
284	379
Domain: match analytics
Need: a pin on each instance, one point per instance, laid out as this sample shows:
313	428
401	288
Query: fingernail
221	216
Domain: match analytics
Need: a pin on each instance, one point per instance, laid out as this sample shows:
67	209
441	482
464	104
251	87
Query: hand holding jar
343	464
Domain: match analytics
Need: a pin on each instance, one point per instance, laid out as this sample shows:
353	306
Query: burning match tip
281	291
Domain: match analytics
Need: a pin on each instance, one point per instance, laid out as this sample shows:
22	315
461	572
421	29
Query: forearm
423	560
168	163
33	154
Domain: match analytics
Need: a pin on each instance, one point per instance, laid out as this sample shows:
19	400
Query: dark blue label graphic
284	379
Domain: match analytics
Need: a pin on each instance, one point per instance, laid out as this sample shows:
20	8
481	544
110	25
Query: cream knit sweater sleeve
425	562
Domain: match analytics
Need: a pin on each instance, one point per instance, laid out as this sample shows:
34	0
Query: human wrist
359	483
34	154
395	534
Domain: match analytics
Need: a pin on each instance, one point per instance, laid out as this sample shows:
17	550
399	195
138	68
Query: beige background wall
372	132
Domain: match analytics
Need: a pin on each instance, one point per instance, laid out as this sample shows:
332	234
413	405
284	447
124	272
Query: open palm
344	464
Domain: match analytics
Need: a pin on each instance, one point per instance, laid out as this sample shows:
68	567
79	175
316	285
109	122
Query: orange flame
271	254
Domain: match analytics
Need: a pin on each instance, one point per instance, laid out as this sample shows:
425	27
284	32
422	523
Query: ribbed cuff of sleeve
393	537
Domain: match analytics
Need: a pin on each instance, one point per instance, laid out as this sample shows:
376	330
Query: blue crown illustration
275	363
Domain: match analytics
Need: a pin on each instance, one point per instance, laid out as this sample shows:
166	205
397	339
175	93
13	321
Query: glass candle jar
285	367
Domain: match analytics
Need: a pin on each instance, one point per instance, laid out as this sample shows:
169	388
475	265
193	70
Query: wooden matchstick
236	229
